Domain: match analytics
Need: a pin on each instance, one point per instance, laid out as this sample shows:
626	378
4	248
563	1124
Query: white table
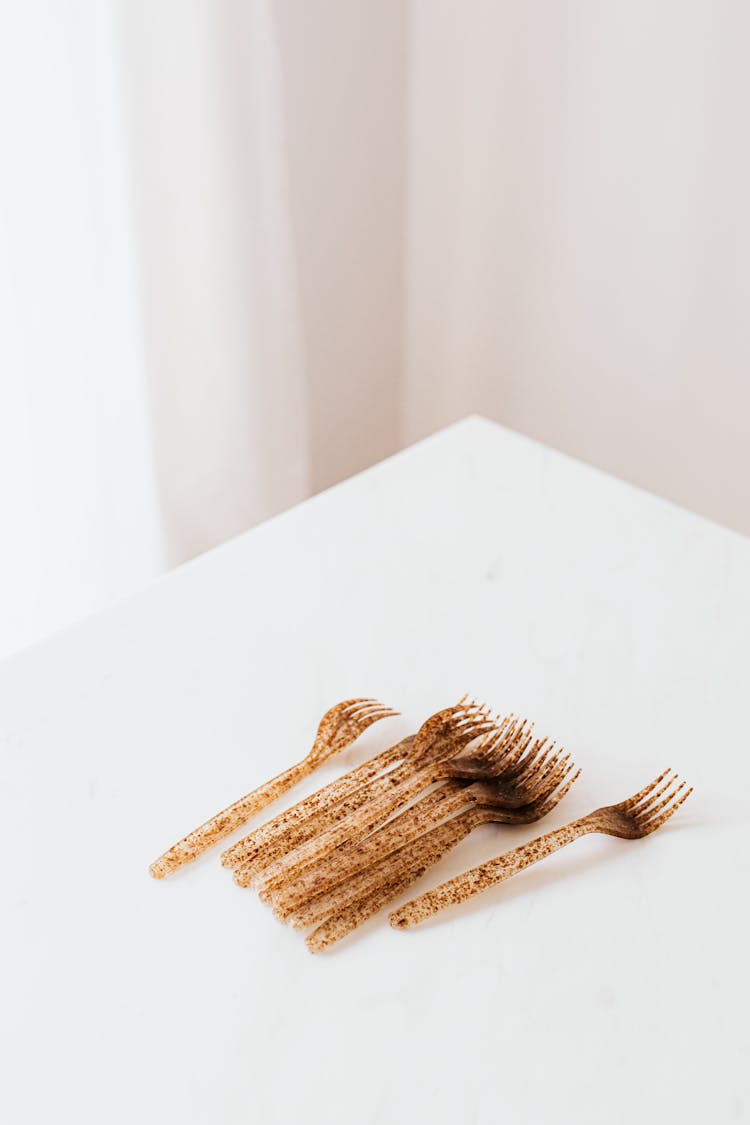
609	984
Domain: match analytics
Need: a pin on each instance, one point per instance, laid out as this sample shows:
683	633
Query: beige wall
578	234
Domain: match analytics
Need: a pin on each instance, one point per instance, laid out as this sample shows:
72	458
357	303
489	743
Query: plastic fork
633	819
444	733
339	727
376	812
513	780
350	904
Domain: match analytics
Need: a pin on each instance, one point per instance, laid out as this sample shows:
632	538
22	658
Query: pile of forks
334	859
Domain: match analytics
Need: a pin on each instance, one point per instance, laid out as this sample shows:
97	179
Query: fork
506	741
349	905
514	779
632	819
245	874
440	736
339	727
438	733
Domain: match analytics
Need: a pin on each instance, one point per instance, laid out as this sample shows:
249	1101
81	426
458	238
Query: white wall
578	234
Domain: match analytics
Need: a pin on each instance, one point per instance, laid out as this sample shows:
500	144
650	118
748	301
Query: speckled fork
440	736
523	779
360	823
633	819
338	728
349	905
445	732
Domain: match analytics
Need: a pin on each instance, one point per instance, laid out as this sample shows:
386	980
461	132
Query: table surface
609	983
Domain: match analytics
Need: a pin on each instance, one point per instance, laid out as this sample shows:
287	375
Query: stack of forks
334	859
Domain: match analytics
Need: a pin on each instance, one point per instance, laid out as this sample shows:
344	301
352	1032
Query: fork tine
364	719
554	799
652	825
646	804
480	718
472	706
352	704
521	767
496	740
548	787
626	806
516	745
522	773
539	760
474	728
559	764
362	707
382	710
487	741
550	782
644	817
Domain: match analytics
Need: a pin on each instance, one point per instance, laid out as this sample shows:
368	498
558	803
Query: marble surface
608	984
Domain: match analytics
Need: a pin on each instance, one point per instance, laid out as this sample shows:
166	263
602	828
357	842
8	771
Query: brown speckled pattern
632	819
413	858
334	859
248	873
397	871
338	728
529	779
319	801
347	861
442	735
246	870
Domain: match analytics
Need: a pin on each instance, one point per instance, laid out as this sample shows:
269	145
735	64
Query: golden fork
633	819
352	903
338	728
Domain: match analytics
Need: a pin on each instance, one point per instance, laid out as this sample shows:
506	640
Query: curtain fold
219	296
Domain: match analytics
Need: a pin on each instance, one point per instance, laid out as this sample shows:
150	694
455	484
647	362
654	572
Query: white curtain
200	279
248	247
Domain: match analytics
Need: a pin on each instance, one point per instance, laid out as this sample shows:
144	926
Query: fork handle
352	827
486	875
345	902
319	801
342	922
248	871
219	826
350	859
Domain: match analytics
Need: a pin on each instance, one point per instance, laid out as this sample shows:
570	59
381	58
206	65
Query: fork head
493	746
535	791
448	731
643	813
512	758
344	723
